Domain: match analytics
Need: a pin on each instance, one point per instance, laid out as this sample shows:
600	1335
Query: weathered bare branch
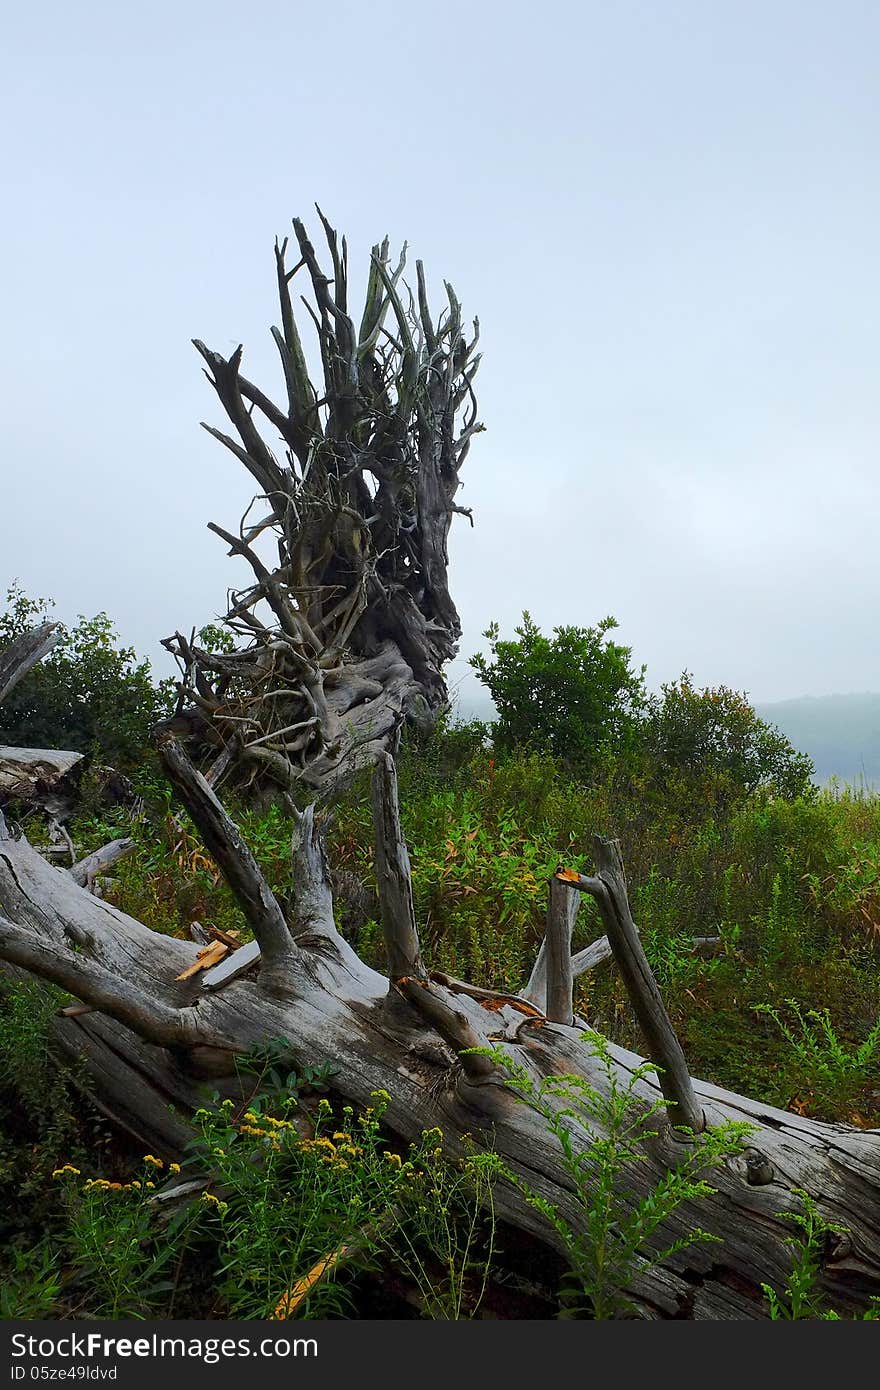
24	653
609	890
393	877
85	871
232	855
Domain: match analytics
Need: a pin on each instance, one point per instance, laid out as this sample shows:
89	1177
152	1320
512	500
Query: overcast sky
665	215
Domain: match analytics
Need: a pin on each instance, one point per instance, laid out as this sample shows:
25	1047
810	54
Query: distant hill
841	733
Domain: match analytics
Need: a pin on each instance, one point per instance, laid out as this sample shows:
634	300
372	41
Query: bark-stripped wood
232	855
663	1047
208	956
43	777
236	964
85	871
557	943
24	653
393	877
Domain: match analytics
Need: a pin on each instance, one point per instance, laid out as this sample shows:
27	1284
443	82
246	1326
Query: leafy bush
574	695
714	740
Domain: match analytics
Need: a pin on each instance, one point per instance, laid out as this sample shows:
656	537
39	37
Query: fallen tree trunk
46	778
154	1037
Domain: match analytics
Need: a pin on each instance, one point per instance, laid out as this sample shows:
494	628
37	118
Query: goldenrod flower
253	1129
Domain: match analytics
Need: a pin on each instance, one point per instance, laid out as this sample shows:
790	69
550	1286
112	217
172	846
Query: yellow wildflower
174	1167
152	1159
68	1168
253	1129
393	1158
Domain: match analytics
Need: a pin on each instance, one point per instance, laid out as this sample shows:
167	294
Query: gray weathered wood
234	965
86	870
40	777
356	622
231	854
587	959
24	653
663	1047
393	877
557	938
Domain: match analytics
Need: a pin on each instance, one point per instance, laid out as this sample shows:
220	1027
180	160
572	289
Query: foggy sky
664	214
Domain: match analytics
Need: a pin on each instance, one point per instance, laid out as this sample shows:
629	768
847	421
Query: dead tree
347	621
155	1025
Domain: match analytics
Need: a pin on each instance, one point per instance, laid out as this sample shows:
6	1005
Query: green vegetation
573	694
312	1205
803	1297
89	694
610	1241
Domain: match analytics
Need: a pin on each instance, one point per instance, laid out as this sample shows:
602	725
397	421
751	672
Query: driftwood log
343	628
154	1038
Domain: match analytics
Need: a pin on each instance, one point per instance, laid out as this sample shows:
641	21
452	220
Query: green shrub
574	695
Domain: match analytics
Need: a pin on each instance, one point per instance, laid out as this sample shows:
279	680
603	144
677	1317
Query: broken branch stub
663	1047
560	976
394	877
